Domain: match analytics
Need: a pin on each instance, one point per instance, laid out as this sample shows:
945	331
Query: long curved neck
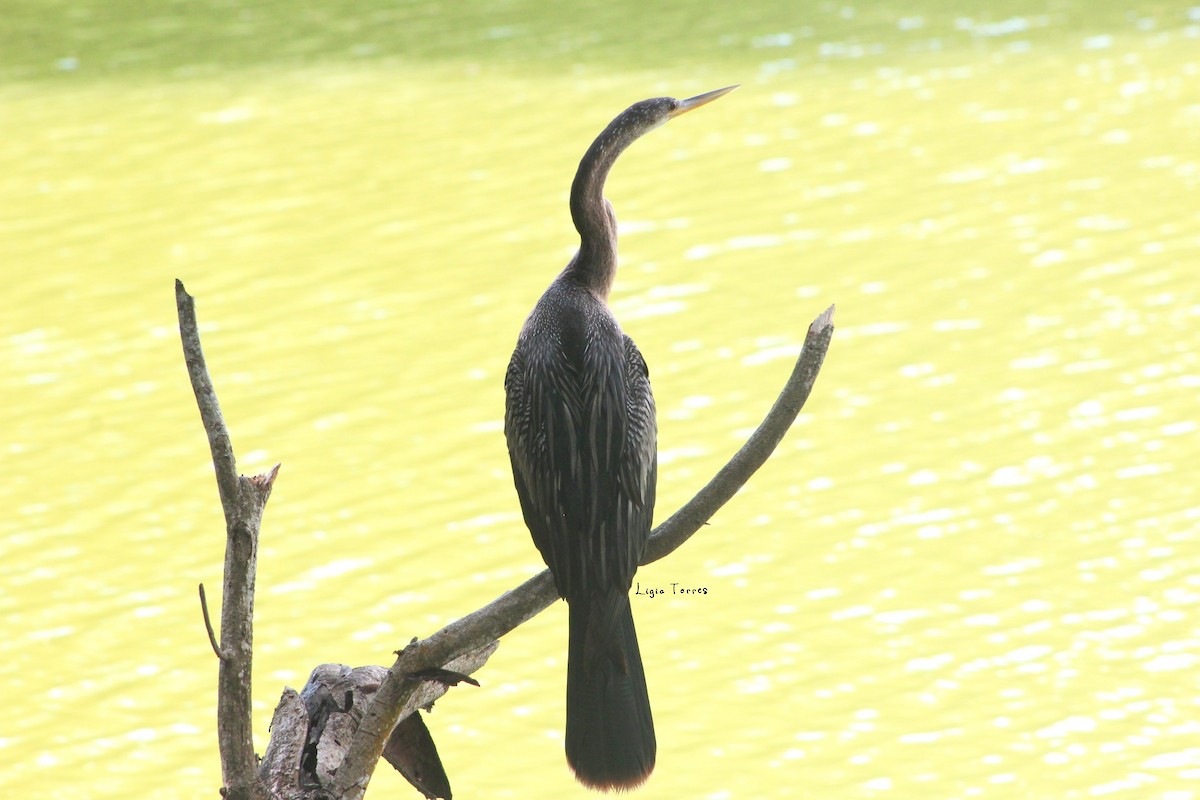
595	264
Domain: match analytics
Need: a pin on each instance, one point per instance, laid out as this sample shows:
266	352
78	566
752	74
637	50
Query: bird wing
583	455
543	425
639	464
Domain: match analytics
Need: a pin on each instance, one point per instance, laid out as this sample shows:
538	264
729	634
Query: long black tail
610	733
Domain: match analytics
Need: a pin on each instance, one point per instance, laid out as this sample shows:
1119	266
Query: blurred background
971	570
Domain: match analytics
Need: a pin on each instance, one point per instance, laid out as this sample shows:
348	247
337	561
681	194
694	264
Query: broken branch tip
822	322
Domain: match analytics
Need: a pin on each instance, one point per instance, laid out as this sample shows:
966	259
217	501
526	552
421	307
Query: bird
580	426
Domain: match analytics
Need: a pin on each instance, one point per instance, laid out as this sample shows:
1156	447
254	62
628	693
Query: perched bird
581	431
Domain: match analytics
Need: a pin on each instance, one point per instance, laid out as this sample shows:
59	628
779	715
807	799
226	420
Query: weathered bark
301	762
243	500
355	728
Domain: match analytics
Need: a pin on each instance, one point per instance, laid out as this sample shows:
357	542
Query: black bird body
581	431
580	409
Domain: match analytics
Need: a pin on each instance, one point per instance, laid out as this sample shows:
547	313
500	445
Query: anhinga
581	433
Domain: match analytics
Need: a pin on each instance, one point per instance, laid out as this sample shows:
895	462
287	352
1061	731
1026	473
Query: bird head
646	115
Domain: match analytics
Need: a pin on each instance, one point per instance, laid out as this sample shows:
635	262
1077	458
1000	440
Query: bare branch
754	453
206	399
242	500
463	645
212	637
530	598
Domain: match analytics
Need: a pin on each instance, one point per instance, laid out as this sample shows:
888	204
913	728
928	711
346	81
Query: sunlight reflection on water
968	571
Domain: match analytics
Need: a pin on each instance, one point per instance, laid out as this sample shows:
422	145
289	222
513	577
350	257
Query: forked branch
469	639
530	598
242	500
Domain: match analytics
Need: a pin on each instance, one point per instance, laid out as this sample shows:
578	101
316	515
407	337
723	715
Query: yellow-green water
971	570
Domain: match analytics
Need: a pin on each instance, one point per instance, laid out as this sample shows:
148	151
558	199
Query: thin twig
536	594
212	637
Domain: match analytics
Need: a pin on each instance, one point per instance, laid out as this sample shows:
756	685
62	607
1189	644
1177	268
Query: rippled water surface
971	570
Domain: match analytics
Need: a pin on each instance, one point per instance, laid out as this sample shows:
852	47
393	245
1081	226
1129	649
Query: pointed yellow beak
701	99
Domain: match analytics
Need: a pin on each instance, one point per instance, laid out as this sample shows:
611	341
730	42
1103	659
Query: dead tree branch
242	500
390	696
680	526
536	594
